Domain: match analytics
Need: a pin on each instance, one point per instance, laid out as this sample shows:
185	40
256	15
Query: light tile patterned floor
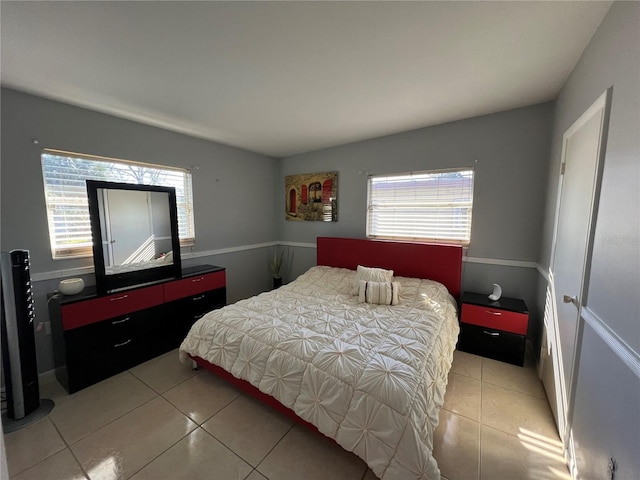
161	420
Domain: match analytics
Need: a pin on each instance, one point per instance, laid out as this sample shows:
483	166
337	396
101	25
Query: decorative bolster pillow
380	293
370	274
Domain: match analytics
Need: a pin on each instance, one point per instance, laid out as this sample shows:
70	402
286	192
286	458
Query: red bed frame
442	263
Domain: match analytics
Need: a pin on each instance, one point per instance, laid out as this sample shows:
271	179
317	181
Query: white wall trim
70	272
543	273
297	244
500	261
483	260
630	357
223	251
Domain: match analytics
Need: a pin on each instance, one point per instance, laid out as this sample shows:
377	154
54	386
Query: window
434	206
66	196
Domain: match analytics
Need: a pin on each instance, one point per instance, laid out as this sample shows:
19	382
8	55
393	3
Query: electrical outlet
611	468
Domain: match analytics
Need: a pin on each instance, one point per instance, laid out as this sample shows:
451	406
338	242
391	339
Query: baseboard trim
48	376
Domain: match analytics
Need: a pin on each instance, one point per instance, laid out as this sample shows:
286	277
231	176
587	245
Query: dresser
95	337
493	329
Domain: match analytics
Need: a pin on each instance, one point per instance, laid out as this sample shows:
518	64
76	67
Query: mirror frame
108	283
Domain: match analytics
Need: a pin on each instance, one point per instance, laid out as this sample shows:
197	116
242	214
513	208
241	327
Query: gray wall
510	154
232	188
513	177
606	412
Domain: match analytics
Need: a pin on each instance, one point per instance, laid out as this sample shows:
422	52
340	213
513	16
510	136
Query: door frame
601	106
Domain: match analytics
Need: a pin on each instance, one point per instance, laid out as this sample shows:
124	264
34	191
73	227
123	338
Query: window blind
432	206
65	190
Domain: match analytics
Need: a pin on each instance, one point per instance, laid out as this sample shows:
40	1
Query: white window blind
65	191
431	206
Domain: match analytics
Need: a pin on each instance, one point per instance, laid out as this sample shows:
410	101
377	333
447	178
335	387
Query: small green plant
276	263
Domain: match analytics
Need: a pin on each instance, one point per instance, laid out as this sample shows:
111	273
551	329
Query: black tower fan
19	362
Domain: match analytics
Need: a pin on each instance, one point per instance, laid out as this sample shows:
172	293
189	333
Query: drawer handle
198	317
197	280
198	298
497	314
116	322
493	334
122	344
118	298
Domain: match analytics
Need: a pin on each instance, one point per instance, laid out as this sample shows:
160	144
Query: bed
370	376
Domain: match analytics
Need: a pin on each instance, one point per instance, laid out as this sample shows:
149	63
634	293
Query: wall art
312	197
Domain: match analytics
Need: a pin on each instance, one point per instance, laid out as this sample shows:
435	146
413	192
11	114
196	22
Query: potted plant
276	265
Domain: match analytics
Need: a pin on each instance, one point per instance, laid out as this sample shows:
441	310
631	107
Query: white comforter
371	377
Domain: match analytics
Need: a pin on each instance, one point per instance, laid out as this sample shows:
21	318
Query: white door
129	224
583	150
548	366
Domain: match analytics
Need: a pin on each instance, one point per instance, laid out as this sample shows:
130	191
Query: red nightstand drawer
78	314
494	318
193	285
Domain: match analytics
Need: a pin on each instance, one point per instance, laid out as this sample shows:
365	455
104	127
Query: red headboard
442	263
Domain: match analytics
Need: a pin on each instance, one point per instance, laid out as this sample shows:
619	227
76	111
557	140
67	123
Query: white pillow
380	293
370	274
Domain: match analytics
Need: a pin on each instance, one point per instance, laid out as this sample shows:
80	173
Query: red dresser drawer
193	285
504	320
78	314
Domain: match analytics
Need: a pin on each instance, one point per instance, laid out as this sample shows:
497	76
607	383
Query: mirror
135	234
136	228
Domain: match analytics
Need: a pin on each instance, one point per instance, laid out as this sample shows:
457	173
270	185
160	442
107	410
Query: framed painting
311	197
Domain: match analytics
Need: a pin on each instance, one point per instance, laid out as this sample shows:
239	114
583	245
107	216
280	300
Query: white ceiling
282	78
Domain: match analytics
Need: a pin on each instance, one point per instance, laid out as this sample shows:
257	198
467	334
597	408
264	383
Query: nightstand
495	330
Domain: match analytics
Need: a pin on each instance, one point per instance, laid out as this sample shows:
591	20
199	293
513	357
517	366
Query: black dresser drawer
496	344
186	311
98	335
198	305
90	367
95	336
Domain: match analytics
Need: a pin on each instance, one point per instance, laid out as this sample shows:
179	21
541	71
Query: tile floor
161	420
